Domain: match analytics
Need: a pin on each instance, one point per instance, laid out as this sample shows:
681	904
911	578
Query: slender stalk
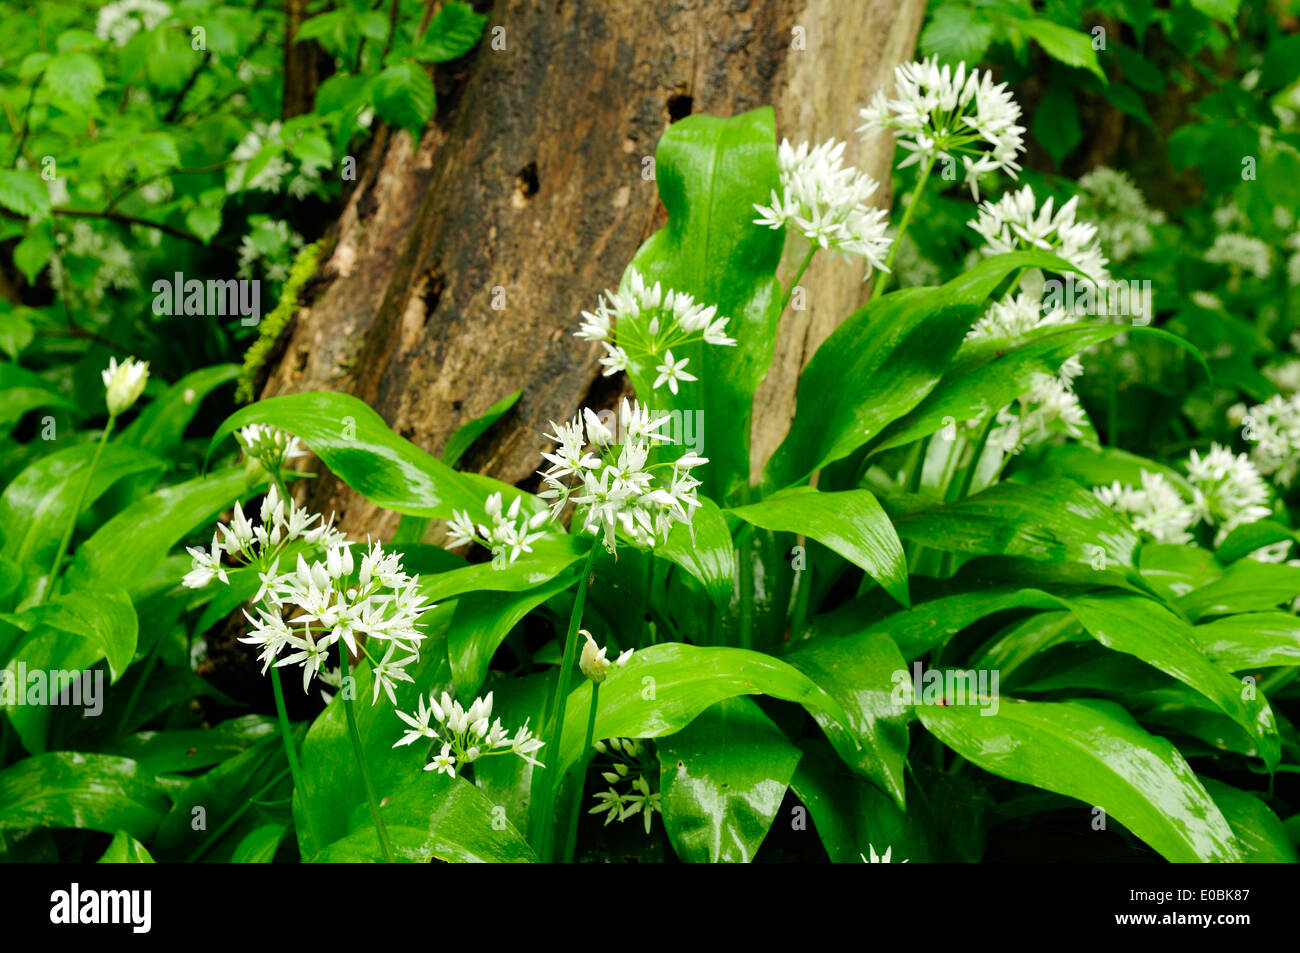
571	840
906	220
559	702
290	751
807	260
51	583
349	706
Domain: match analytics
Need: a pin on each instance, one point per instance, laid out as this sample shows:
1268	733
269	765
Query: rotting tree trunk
527	192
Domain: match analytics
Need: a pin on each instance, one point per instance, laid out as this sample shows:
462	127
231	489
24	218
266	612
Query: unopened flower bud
124	383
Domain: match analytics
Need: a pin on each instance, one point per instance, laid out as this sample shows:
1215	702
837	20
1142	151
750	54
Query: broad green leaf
404	96
431	816
1251	640
1056	121
1096	753
259	845
125	849
860	674
549	558
1246	586
21	391
881	363
451	34
956	34
360	449
852	523
127	548
1260	834
1225	10
95	792
466	434
36	508
24	192
161	425
722	779
1143	628
168	752
851	816
661	689
1048	520
1063	44
480	623
988	374
705	550
73	80
711	171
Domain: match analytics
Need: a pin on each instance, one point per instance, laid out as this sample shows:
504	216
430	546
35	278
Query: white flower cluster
271	447
1273	428
1015	223
510	534
1229	489
640	324
939	114
878	858
1050	406
319	602
826	202
1242	253
466	736
123	19
1157	508
632	762
614	485
1124	220
1227	492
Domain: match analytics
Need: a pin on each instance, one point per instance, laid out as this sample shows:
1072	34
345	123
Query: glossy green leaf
481	622
36	508
1096	753
1251	640
430	816
705	550
710	172
852	523
1048	520
95	792
360	449
859	673
661	689
466	434
1260	834
125	849
881	362
259	845
1245	586
126	549
160	426
723	778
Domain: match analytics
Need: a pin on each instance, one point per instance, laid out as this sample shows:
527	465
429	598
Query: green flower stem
807	260
906	220
51	583
571	841
349	706
559	701
291	752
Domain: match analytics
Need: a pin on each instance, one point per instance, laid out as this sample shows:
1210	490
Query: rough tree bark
527	188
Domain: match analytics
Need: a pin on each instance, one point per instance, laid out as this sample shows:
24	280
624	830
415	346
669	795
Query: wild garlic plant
325	605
